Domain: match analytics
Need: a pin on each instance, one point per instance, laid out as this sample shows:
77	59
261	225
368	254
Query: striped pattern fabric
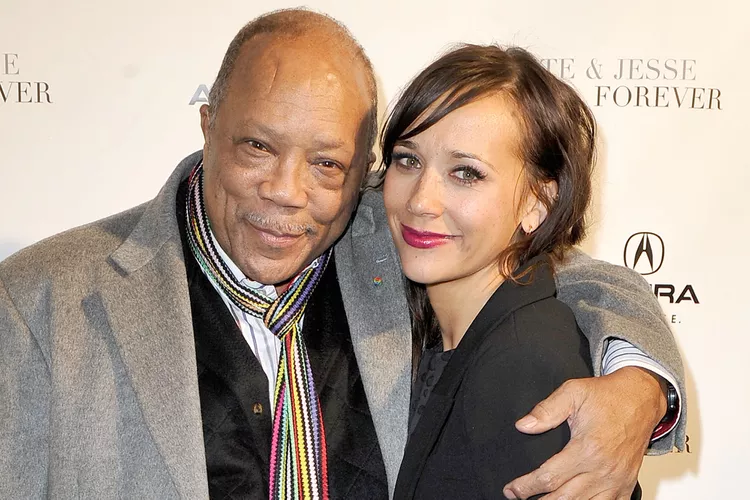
298	464
619	354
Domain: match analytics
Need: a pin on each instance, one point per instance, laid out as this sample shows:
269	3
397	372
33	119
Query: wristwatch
673	404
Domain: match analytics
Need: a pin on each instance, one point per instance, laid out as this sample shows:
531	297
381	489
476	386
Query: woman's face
452	193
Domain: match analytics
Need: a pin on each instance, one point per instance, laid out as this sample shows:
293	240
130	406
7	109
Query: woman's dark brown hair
558	135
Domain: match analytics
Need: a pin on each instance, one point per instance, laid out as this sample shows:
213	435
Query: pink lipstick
423	239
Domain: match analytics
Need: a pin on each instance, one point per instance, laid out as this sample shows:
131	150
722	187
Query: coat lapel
148	309
355	464
372	288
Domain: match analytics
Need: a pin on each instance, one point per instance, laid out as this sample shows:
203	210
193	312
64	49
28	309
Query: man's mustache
272	224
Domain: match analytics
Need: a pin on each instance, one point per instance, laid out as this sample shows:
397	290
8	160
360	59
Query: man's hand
611	419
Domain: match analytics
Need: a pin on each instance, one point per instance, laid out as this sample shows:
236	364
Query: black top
431	366
522	346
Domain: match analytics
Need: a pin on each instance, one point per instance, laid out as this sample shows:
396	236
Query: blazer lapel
372	288
421	442
148	309
507	298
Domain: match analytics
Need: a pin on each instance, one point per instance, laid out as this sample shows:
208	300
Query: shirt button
258	409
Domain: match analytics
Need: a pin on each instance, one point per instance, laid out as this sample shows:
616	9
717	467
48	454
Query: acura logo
644	253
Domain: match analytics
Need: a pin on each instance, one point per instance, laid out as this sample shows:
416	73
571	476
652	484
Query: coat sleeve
24	407
611	301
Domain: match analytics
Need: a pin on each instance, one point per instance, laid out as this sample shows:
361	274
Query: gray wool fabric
615	302
98	381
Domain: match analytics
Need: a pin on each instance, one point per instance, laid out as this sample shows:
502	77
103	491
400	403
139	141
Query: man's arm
621	354
612	302
24	410
612	416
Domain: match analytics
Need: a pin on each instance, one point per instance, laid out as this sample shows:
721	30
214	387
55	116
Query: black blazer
523	344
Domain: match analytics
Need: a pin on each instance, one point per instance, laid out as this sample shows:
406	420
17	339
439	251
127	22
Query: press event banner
99	102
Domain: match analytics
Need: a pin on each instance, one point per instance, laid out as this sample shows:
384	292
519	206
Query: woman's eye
406	161
468	174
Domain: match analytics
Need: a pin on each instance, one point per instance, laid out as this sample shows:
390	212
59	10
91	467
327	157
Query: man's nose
286	182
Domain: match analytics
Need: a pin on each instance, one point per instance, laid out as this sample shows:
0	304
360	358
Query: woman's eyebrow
407	144
458	154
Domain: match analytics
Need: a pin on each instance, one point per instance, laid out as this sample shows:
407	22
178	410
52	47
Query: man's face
286	155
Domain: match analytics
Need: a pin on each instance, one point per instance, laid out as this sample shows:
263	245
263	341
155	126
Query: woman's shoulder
542	336
527	310
545	321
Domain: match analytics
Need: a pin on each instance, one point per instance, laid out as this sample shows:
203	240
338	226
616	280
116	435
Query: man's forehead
317	65
321	138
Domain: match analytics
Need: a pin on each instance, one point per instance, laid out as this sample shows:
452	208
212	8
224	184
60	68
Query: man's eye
328	164
257	145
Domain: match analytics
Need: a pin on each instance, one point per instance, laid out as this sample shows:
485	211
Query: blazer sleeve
612	301
24	407
503	384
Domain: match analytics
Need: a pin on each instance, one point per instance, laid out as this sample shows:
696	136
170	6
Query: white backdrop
95	112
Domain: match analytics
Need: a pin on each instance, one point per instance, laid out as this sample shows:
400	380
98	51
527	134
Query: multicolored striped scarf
299	468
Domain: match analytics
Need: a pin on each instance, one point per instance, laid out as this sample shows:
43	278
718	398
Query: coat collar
148	309
372	287
157	225
536	285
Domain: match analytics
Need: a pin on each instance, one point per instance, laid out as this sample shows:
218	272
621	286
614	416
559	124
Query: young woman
488	163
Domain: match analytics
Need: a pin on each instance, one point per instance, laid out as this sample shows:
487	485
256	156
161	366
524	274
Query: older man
242	335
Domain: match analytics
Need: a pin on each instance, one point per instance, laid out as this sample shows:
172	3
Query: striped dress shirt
619	354
265	345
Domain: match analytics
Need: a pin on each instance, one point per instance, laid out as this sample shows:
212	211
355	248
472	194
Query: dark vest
234	393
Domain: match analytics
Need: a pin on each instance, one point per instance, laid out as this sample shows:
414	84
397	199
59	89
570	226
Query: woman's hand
611	420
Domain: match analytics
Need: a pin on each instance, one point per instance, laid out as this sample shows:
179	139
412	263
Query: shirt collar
267	290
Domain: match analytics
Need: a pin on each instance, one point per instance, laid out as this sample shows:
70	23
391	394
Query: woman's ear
535	212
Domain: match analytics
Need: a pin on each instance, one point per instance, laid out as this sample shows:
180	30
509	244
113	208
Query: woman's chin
421	275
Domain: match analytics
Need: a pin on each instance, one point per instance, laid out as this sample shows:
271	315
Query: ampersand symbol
596	68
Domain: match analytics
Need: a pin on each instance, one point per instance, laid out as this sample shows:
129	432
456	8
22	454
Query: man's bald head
323	32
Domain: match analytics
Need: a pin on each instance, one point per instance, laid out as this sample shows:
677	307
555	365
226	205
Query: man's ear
534	210
371	160
205	122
